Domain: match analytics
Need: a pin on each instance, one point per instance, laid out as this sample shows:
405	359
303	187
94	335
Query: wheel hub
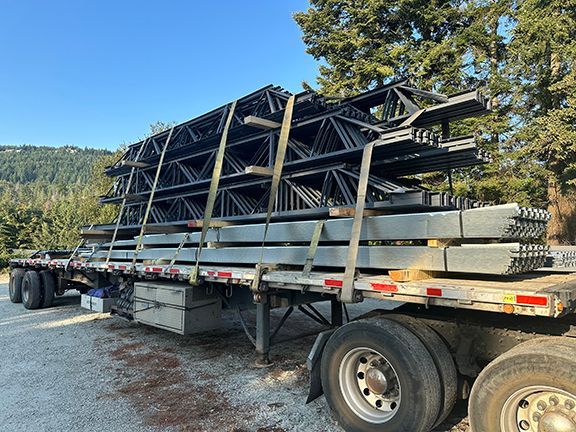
556	421
369	385
539	409
376	380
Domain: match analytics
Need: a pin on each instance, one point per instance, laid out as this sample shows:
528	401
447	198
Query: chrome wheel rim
369	385
539	409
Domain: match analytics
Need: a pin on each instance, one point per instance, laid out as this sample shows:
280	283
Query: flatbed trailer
476	333
505	343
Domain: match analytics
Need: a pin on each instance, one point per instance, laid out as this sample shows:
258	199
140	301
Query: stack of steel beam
508	221
321	166
561	257
287	242
498	258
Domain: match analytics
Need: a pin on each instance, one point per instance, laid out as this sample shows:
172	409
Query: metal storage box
179	308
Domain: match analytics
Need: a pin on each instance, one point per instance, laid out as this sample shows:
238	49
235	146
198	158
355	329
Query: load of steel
508	221
562	257
321	166
499	258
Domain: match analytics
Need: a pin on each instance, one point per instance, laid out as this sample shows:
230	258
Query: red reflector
111	266
532	300
224	274
436	292
122	267
173	270
211	273
333	283
384	287
157	269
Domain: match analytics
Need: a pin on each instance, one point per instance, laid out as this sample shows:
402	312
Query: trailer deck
547	295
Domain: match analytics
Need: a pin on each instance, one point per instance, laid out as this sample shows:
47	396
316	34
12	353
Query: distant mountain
59	165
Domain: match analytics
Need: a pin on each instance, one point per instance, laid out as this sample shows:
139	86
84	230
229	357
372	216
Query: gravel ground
65	368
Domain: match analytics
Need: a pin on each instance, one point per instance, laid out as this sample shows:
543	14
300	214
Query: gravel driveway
65	368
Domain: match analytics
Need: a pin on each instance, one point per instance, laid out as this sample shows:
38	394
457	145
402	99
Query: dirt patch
168	397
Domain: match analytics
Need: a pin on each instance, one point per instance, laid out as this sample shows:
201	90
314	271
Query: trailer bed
539	294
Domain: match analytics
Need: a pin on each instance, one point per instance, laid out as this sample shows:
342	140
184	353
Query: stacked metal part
321	166
286	242
320	173
561	257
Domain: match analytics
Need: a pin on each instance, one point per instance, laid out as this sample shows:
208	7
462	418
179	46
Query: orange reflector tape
435	292
384	287
224	274
532	300
333	283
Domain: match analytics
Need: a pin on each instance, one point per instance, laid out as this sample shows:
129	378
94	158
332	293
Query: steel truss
321	166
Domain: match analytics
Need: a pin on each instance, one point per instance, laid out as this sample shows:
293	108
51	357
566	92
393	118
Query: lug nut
536	417
569	404
554	400
541	405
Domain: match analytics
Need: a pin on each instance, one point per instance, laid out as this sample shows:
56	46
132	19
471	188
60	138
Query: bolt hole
393	405
366	392
524	404
360	375
379	403
363	360
524	425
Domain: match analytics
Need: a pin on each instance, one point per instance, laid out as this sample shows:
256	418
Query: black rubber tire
546	362
15	284
417	375
31	290
48	282
442	359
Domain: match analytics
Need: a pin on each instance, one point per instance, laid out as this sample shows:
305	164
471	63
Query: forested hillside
63	165
47	194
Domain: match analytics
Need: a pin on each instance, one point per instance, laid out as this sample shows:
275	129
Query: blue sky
97	73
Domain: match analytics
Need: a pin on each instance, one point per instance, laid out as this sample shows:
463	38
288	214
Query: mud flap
314	365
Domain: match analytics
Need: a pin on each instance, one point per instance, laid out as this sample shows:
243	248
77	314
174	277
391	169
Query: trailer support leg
336	313
263	333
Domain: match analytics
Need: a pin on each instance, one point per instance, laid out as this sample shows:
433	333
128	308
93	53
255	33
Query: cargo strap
347	294
123	205
313	248
216	173
150	200
75	251
277	173
178	249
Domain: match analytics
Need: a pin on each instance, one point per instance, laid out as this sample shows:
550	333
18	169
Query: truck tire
442	359
530	387
31	290
15	284
378	376
48	283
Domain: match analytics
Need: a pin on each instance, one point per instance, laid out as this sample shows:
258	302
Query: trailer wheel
532	387
31	290
378	376
442	358
48	288
15	284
